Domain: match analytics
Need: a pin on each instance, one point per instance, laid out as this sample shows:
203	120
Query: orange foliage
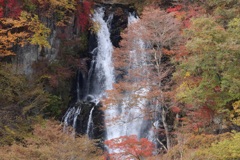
175	109
200	118
130	147
174	9
49	142
185	12
11	34
168	52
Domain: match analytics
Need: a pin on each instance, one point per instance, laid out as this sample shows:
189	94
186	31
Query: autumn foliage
174	9
25	29
130	147
10	8
199	119
83	14
49	142
59	11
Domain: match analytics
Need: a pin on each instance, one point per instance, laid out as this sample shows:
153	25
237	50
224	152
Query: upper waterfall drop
100	78
104	72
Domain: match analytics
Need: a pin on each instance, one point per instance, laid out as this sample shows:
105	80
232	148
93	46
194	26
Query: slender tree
144	68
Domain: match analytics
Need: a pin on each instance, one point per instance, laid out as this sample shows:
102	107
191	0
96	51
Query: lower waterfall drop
130	119
127	119
90	124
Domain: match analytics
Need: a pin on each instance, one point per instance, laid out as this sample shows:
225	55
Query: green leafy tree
209	76
223	10
226	149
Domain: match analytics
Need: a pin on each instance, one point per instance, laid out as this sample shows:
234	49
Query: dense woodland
194	72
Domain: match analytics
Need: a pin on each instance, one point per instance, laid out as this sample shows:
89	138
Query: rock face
27	55
119	21
97	129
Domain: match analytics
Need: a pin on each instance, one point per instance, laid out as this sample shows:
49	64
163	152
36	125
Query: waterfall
100	75
90	124
130	117
78	111
70	117
103	78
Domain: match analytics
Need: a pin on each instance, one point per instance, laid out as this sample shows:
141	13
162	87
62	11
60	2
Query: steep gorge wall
29	54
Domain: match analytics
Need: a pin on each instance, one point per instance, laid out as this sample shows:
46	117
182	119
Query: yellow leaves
40	31
235	115
20	31
61	10
188	87
225	149
10	35
95	27
182	90
236	106
67	4
187	74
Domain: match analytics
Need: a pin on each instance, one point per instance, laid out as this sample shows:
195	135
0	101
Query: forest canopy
191	76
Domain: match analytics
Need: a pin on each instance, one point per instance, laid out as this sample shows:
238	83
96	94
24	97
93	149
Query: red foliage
191	12
217	89
1	12
168	52
181	52
174	9
175	109
201	117
61	73
83	15
2	4
128	146
52	75
185	13
53	81
10	8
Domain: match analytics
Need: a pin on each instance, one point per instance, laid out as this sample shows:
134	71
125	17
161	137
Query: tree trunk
165	125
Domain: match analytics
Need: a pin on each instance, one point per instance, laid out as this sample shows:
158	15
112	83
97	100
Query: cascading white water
104	76
100	75
70	117
78	111
90	124
129	120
